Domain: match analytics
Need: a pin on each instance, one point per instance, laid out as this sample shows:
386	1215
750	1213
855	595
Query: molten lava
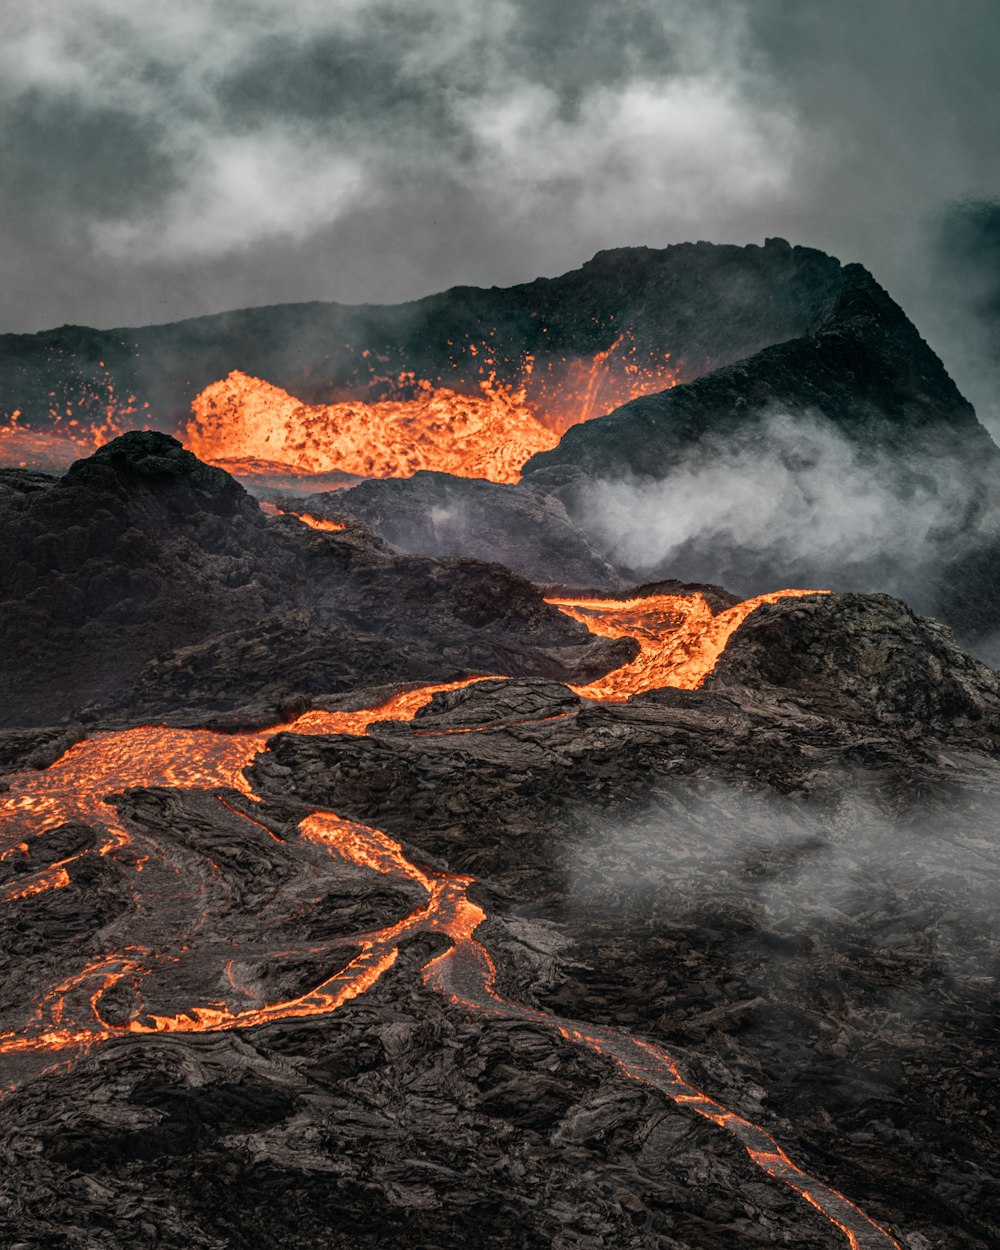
314	522
568	390
75	1014
489	435
680	639
254	429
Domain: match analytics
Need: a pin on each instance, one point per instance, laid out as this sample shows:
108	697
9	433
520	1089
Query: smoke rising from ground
919	879
785	497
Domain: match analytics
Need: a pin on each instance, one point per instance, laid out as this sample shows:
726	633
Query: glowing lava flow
256	430
73	1015
244	424
680	639
466	975
314	522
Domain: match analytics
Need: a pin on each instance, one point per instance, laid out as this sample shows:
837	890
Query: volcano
385	861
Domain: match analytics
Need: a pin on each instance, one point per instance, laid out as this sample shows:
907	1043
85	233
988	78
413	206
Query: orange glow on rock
568	390
314	522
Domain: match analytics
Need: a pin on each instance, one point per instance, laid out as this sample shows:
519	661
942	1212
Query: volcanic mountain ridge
706	965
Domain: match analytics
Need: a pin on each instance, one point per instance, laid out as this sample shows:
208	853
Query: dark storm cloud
161	161
906	95
125	171
962	300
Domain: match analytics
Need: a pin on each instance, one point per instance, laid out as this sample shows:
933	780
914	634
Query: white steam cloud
790	490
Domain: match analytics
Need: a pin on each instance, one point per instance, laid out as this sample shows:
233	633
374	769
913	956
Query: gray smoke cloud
962	300
163	161
921	880
787	497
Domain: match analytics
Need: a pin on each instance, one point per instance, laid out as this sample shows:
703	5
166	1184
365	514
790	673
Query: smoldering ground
858	864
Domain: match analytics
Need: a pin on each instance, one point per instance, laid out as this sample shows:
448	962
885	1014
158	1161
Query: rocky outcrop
144	583
863	366
866	658
436	514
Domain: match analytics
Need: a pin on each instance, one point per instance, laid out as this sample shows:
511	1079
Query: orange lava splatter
314	522
568	390
489	435
259	431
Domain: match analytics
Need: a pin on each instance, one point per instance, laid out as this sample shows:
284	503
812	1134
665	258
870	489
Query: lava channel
71	1017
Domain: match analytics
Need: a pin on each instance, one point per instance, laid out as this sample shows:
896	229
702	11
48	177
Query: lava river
680	642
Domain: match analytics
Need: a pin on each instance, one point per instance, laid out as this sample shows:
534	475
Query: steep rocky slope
845	457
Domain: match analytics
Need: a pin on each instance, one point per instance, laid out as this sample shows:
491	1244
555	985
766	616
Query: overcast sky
161	160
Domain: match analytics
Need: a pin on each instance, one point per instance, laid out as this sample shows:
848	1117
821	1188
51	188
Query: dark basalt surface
787	879
864	366
781	877
758	334
144	583
793	878
436	514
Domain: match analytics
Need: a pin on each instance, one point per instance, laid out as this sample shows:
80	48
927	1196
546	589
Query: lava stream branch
680	641
466	974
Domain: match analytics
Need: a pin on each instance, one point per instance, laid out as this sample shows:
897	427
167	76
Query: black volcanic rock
777	877
859	408
866	658
437	514
787	878
145	469
144	579
864	367
795	882
871	424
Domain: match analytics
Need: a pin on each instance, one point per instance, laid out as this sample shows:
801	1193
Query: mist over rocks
814	438
861	363
845	458
439	514
794	881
